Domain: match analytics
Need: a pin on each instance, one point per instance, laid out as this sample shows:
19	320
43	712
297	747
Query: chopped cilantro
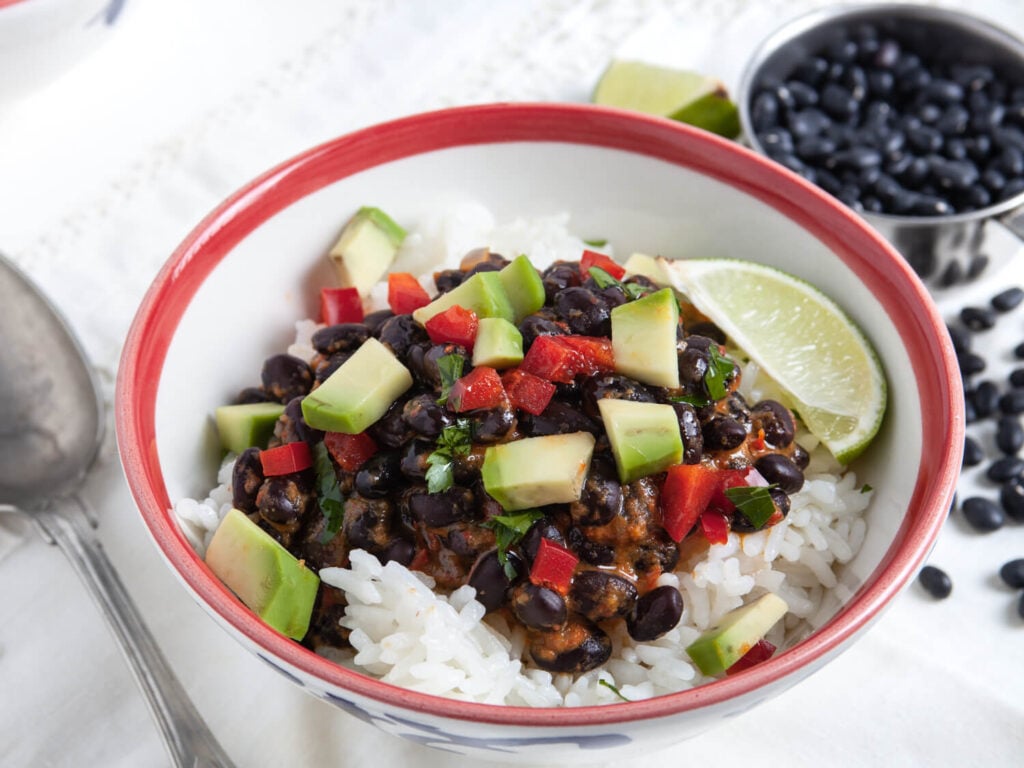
509	529
866	488
454	441
450	368
612	688
328	492
753	501
596	243
719	369
604	280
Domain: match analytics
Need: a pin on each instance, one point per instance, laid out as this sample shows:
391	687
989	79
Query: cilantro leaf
332	505
866	488
454	441
450	368
612	688
604	280
508	530
596	243
719	369
754	502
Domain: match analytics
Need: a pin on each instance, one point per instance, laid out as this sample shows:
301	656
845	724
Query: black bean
983	514
537	607
978	318
924	139
400	550
436	510
558	418
575	647
1009	434
291	427
246	479
1005	468
414	460
542	529
974	454
1020	605
343	337
764	111
690	431
935	581
803	94
286	377
601	499
971	363
927	205
1012	573
375	320
777	141
811	70
954	174
1016	377
888	54
1011	499
985	397
284	500
723	433
970	415
1006	300
781	471
601	595
489	579
254	395
533	326
379	475
655	613
880	82
1012	402
583	311
494	424
1018	351
858	158
425	416
960	337
815	147
604	385
401	332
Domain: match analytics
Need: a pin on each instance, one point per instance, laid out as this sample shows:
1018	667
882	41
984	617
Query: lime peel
798	336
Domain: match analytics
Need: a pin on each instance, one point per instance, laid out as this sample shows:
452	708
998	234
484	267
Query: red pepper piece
596	355
715	527
340	305
480	388
286	459
553	566
350	451
550	360
527	392
599	260
760	651
685	495
405	294
734	478
455	325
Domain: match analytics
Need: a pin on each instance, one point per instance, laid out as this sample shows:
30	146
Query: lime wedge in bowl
689	97
798	336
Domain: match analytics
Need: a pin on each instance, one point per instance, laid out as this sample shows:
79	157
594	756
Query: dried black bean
974	454
1005	468
983	514
1016	377
1009	299
985	397
971	363
1020	605
1009	434
935	581
1012	573
978	318
960	337
1011	499
1012	402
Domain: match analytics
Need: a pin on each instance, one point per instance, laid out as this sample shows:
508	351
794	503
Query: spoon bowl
53	420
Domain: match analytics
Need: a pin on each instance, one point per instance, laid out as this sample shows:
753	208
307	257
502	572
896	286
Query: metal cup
945	251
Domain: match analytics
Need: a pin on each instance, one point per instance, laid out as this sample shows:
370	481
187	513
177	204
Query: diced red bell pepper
599	260
405	294
760	651
685	495
480	388
350	451
340	305
456	325
527	392
562	358
286	459
715	527
734	478
553	566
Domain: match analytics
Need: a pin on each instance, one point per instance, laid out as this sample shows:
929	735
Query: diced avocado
264	575
359	392
644	339
365	249
524	287
499	344
644	437
536	471
245	425
724	644
647	266
483	293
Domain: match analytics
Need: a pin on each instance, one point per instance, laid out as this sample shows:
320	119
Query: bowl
947	250
42	39
238	283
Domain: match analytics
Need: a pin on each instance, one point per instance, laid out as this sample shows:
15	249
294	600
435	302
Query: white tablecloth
104	172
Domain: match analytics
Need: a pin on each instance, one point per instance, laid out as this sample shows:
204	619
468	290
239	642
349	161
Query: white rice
406	634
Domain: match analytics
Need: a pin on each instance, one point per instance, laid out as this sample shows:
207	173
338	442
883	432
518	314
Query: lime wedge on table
679	94
801	338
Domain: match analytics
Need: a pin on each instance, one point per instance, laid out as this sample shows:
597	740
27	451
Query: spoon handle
186	736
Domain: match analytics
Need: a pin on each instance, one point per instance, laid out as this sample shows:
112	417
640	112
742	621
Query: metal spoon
51	428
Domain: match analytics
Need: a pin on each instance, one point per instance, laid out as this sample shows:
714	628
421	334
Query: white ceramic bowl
229	296
42	39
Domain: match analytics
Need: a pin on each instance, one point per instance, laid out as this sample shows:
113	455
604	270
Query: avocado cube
644	339
264	575
246	424
536	471
724	644
499	344
644	437
483	293
523	285
359	392
365	249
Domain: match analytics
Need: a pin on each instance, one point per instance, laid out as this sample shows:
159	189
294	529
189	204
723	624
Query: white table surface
104	171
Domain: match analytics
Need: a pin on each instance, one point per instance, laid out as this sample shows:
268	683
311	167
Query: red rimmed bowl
231	293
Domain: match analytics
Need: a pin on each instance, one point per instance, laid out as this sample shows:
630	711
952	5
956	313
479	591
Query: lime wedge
801	338
688	97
